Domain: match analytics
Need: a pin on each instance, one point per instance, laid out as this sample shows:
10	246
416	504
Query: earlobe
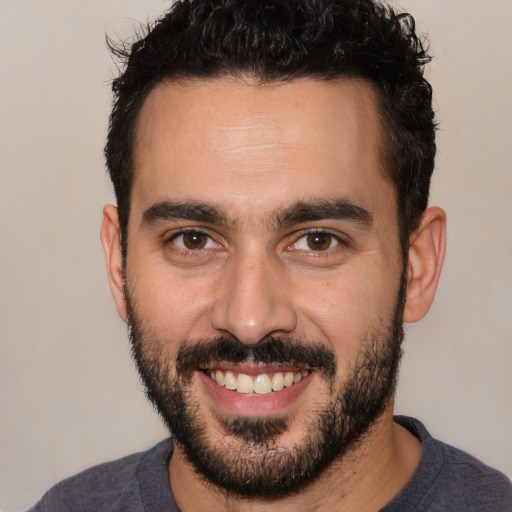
111	241
425	260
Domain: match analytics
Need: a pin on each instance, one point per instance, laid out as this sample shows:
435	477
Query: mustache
271	350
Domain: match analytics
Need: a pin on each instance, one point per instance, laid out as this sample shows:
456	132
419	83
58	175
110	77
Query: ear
111	241
425	259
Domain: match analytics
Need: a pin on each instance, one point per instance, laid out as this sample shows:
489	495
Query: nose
253	300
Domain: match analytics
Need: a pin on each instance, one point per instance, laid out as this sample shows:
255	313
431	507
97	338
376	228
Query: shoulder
451	479
111	486
473	483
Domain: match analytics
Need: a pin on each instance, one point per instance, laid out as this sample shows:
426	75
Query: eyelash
169	241
340	242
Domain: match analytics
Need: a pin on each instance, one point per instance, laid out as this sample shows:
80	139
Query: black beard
259	468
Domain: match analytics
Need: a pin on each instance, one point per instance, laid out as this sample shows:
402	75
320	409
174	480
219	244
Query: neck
383	462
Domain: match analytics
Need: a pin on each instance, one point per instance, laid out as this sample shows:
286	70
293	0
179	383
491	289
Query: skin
252	151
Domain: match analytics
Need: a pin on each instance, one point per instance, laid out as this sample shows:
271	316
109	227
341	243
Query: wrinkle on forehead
256	133
244	137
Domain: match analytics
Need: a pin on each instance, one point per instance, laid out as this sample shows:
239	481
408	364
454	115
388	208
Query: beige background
69	396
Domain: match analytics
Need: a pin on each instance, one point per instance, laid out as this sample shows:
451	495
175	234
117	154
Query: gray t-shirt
447	479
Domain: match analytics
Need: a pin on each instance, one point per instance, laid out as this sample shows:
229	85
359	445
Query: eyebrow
338	209
300	212
187	210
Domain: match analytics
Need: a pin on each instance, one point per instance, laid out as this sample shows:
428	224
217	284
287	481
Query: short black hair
282	40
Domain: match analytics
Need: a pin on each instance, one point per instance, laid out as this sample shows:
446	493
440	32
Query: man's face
263	274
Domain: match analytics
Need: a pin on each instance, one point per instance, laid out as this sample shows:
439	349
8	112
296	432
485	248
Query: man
271	163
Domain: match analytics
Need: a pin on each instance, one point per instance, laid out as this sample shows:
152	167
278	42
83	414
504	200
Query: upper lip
253	369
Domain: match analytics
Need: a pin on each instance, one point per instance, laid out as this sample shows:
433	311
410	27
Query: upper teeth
260	384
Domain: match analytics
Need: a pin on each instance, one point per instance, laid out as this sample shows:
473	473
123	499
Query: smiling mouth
261	384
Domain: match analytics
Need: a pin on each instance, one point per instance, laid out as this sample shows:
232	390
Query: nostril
250	325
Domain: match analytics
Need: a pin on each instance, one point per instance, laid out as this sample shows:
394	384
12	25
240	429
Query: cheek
173	307
344	311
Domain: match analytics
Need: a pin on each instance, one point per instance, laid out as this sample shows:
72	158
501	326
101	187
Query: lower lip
254	405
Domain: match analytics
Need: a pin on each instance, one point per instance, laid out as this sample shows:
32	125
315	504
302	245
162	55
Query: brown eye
319	241
193	240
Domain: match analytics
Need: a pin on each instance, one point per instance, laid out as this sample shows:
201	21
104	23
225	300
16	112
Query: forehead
223	140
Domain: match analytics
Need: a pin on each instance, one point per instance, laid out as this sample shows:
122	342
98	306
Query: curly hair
282	40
